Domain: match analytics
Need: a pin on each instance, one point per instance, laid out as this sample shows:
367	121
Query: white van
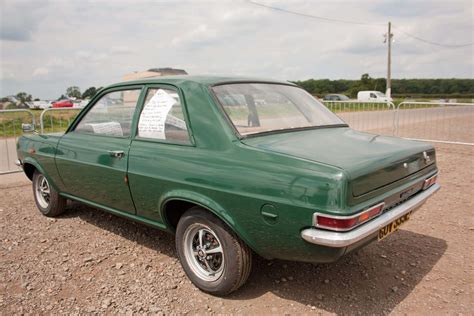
372	96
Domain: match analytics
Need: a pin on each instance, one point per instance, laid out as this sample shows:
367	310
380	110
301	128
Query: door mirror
28	128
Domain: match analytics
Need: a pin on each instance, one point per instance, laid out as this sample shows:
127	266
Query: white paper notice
173	120
153	117
107	128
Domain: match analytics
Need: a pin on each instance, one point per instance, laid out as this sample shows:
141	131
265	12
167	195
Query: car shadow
373	280
142	234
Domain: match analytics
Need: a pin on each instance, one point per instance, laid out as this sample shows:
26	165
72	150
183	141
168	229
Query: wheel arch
30	165
29	170
172	201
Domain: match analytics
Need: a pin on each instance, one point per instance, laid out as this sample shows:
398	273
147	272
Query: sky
47	46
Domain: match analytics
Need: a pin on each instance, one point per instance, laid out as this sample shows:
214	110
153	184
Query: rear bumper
345	239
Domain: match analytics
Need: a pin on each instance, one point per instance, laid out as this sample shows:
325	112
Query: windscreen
262	107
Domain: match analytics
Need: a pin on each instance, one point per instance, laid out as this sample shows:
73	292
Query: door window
163	117
112	115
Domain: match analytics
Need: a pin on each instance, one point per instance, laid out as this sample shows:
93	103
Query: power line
333	20
313	16
433	43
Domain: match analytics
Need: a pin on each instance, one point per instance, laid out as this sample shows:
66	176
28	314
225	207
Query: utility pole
388	39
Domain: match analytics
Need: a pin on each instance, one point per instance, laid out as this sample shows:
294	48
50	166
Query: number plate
393	226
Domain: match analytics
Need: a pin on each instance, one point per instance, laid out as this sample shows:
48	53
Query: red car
62	104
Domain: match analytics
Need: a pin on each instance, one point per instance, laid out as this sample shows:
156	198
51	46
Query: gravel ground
90	262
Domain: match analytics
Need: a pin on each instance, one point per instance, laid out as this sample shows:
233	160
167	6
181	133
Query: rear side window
112	115
163	117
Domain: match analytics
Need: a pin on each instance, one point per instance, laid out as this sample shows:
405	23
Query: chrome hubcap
203	252
43	191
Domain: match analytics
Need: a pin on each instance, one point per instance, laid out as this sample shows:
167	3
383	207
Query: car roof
203	80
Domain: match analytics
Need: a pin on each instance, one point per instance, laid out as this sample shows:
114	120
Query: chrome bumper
344	239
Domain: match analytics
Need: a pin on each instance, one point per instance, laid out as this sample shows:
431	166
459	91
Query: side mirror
28	128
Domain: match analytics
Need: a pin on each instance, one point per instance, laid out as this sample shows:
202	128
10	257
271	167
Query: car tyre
47	199
214	258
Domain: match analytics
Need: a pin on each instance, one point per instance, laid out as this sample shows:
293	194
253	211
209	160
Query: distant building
154	72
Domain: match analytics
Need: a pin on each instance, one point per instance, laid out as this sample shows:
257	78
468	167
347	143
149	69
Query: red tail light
430	181
343	223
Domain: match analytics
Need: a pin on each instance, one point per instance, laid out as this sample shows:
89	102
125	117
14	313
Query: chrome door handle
116	153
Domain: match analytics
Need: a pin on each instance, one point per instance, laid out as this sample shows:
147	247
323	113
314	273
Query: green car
233	167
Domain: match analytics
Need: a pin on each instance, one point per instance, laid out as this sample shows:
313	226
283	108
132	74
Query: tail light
343	223
430	181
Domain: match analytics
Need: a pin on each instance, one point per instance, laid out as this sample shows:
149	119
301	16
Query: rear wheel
47	199
212	256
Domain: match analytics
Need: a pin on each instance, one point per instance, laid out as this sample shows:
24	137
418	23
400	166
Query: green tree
73	92
365	79
89	93
380	84
400	87
24	97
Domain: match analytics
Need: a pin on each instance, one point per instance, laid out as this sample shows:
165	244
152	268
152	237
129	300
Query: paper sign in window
175	121
154	114
106	128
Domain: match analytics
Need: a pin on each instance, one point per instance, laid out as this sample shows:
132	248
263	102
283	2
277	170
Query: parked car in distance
40	105
196	156
80	103
63	104
335	97
372	96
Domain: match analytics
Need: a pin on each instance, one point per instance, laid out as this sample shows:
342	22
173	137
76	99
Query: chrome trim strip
315	218
344	239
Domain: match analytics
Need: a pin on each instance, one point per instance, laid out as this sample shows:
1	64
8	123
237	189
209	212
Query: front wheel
47	199
213	257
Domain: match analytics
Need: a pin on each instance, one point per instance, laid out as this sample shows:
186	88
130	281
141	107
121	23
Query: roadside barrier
451	123
437	122
12	123
376	117
56	120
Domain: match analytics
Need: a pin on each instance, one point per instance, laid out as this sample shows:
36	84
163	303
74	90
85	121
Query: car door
162	154
92	156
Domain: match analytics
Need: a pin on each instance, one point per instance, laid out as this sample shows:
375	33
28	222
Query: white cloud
40	72
200	34
47	46
20	19
121	50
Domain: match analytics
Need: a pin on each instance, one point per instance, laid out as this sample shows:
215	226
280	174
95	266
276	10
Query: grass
54	121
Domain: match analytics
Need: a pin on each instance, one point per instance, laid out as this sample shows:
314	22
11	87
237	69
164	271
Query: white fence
57	119
376	117
11	128
441	122
435	122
